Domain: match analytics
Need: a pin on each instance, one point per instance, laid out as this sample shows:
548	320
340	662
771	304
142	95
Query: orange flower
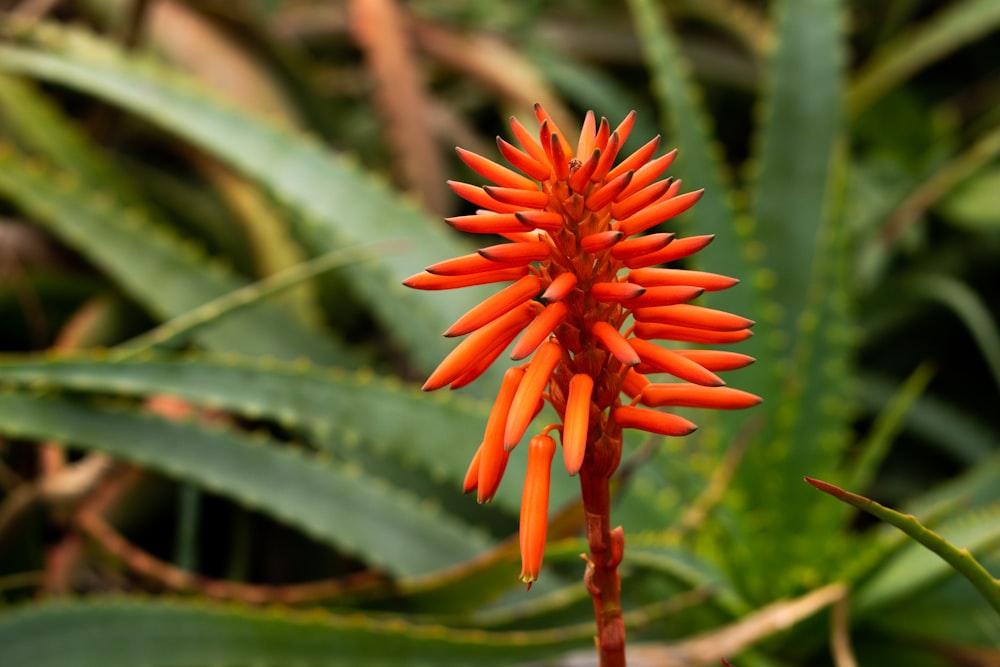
535	506
581	265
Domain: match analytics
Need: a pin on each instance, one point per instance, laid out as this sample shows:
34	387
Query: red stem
602	579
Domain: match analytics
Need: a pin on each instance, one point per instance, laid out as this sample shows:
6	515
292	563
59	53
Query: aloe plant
323	486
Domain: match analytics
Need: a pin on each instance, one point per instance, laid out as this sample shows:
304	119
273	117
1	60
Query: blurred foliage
214	446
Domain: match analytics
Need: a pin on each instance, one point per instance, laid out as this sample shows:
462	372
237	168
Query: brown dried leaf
379	27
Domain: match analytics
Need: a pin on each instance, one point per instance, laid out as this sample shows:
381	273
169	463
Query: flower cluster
581	268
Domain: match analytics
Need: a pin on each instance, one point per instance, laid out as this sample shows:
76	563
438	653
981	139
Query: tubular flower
580	265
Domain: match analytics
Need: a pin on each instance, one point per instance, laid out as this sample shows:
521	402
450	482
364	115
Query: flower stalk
601	577
588	296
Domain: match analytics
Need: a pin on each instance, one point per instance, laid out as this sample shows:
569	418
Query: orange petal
481	342
494	457
535	506
652	421
560	156
539	330
635	383
654	215
608	156
648	173
488	223
664	296
607	193
544	118
642	245
545	139
530	391
600	241
624	128
695	396
580	179
576	421
647	369
495	473
550	222
468	265
502	302
428	281
651	331
586	142
710	282
617	291
672	191
523	198
529	165
615	343
494	172
517	253
472	474
638	199
525	237
489	355
695	317
636	159
478	196
717	360
533	148
560	287
678	249
668	361
600	141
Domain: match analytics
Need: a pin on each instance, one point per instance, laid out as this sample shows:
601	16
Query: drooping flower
588	297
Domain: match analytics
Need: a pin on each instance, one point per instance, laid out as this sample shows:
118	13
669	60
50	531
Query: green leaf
166	274
951	430
437	431
180	633
649	550
810	428
745	22
947	178
733	252
973	490
699	160
911	570
877	649
655	492
337	205
957	25
974	204
948	613
186	325
799	177
888	424
794	152
334	504
970	309
39	125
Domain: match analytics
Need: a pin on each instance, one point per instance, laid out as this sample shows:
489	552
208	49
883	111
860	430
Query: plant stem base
601	577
